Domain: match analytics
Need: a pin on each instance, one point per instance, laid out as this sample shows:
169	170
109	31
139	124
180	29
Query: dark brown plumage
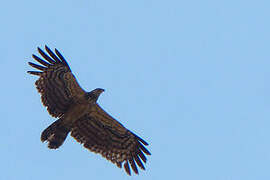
80	114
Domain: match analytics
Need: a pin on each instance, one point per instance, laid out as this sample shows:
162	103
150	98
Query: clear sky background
189	77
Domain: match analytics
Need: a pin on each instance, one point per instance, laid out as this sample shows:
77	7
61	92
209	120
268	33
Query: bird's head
93	95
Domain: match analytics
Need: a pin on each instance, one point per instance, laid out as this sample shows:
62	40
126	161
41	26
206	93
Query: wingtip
140	139
40	51
144	142
127	168
133	166
46	47
37	73
144	149
56	51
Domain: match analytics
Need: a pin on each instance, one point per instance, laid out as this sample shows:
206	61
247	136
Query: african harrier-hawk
80	114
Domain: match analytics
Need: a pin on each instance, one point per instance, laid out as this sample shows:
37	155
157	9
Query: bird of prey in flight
80	115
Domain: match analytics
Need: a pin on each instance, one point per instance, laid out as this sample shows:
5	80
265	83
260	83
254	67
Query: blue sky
189	77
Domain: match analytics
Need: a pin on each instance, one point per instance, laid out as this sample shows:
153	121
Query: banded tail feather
55	134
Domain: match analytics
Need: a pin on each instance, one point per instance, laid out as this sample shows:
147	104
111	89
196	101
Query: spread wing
101	133
56	84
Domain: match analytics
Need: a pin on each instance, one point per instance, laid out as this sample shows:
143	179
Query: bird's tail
55	134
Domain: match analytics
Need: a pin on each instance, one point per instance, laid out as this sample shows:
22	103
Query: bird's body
80	115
